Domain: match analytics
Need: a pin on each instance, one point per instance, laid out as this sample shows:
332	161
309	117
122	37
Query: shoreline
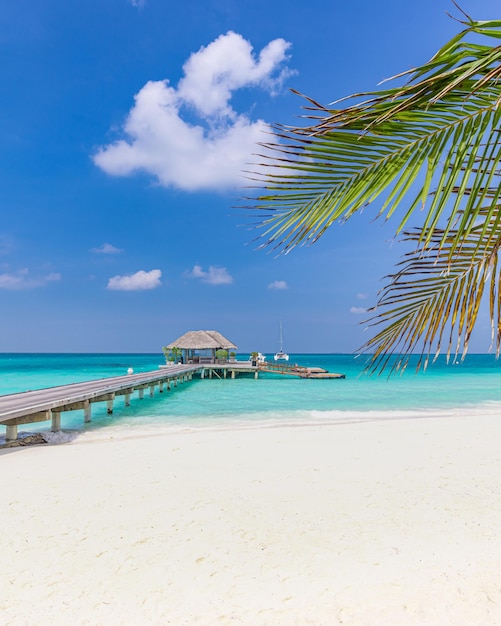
381	522
144	427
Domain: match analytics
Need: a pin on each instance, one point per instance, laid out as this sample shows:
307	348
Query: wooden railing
283	368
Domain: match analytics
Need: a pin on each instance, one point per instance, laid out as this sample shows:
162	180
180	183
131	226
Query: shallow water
473	387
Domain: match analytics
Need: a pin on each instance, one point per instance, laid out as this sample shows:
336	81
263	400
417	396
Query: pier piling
87	411
11	433
55	421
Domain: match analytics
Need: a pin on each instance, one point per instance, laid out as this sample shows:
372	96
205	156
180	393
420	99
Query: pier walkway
42	405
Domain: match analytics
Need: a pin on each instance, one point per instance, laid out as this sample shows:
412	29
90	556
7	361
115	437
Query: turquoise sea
472	388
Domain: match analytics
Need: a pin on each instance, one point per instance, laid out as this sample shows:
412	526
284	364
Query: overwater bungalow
201	346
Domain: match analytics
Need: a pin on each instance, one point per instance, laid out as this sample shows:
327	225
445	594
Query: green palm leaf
433	144
435	296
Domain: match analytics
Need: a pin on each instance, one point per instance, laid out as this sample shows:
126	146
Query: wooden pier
42	405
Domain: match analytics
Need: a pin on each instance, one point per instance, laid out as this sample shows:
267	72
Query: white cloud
213	152
107	248
23	280
278	284
136	282
362	296
358	310
225	65
138	3
213	276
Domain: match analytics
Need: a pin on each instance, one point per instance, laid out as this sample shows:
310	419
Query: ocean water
472	388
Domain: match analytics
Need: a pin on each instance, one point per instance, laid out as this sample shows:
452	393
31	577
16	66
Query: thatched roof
202	340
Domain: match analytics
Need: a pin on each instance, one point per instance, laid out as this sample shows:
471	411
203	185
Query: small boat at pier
281	355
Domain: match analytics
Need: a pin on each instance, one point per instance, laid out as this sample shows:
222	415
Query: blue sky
124	129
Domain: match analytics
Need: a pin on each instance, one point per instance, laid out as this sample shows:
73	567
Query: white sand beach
392	522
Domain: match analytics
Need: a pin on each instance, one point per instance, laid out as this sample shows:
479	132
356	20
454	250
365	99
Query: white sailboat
281	355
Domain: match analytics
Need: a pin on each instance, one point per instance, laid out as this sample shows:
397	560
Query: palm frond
437	133
432	144
435	296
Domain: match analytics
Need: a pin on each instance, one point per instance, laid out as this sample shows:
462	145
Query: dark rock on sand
29	440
